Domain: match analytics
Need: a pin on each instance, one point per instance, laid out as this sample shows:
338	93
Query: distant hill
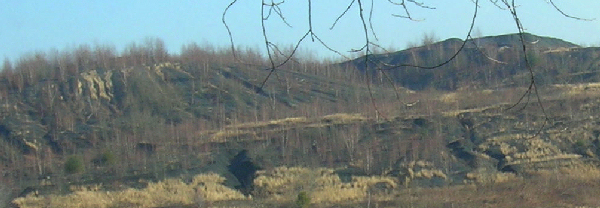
512	40
488	62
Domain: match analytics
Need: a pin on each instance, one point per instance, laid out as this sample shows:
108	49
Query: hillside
154	115
145	116
489	62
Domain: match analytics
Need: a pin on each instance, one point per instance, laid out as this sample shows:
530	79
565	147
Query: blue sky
32	25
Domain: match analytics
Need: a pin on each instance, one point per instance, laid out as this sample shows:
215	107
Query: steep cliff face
105	85
61	115
96	86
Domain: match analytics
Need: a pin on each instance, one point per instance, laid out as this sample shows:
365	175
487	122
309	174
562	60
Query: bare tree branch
267	43
278	11
367	53
565	14
485	54
341	15
495	2
228	30
371	21
390	67
406	11
273	67
532	84
368	30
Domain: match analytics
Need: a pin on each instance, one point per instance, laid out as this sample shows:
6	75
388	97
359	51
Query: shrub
303	199
74	164
107	158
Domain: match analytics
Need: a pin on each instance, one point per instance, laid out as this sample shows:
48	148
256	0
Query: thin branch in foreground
289	57
371	21
532	84
229	33
406	11
227	27
420	4
278	11
485	54
273	67
567	15
391	66
341	15
495	2
367	53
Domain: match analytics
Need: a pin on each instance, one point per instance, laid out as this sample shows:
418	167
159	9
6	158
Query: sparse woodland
92	121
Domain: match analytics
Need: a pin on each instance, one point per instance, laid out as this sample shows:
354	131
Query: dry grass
579	89
565	187
576	186
484	178
222	136
251	129
581	172
449	98
323	185
343	118
285	121
171	192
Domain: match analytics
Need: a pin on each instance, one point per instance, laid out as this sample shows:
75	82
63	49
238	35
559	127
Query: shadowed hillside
488	62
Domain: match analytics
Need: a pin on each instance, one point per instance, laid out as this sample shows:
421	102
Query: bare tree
364	11
156	50
105	55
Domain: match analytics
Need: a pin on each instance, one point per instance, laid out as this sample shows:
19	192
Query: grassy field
575	187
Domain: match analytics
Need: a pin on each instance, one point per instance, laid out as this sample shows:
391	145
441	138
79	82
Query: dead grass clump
577	89
323	185
428	174
249	130
207	178
449	98
366	182
76	199
289	121
581	172
409	171
284	181
354	191
164	193
170	192
337	195
210	188
285	121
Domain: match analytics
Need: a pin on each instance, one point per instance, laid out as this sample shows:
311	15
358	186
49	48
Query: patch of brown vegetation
323	185
170	192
